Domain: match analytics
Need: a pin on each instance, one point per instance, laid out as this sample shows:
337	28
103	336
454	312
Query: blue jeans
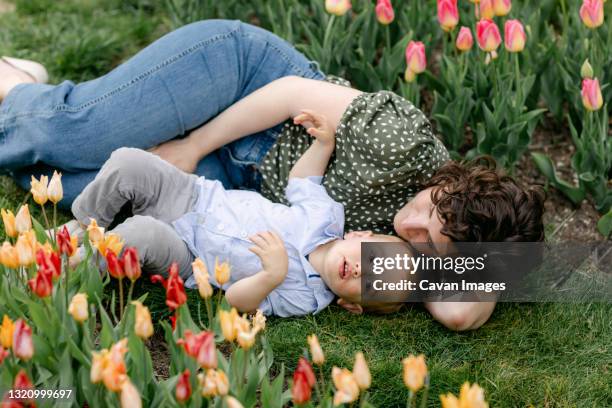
176	84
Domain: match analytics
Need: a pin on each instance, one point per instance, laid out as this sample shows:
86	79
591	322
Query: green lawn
547	355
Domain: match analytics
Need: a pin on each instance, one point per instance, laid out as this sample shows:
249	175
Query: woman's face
418	222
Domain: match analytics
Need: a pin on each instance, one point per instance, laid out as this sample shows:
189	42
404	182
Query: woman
231	88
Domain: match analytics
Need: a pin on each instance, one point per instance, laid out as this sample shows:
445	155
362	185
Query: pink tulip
488	36
384	12
591	94
487	11
448	14
415	57
514	36
502	7
592	13
338	7
23	347
465	40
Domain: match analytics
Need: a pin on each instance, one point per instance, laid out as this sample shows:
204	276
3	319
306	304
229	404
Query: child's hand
317	126
269	247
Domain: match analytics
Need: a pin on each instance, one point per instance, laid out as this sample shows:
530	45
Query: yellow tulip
8	218
6	332
98	363
25	249
111	242
55	192
469	397
227	324
130	397
143	327
39	189
316	352
9	256
246	339
79	308
222	383
96	233
361	372
200	273
415	371
259	321
208	384
222	272
23	221
233	403
347	389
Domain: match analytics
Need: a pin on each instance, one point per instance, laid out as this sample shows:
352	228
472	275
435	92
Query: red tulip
592	13
131	263
49	262
115	265
465	40
3	354
173	322
23	348
201	347
591	94
502	7
42	284
175	289
384	12
448	14
488	36
303	381
64	242
515	37
183	387
22	382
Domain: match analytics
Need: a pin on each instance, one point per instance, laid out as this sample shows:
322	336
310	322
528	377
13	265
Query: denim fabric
174	85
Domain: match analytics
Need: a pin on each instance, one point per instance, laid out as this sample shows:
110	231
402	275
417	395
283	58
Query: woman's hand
179	152
317	126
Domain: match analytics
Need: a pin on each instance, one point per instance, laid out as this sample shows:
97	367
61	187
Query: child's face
342	266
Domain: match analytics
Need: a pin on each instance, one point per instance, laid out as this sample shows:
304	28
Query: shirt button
201	220
243	234
220	227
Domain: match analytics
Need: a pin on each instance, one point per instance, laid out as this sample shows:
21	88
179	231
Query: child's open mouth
344	270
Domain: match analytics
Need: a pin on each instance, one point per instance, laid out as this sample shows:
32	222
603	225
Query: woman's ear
351	307
358	234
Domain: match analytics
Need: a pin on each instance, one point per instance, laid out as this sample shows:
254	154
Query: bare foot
11	77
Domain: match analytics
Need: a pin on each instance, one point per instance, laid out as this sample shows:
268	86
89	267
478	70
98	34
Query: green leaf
544	164
604	225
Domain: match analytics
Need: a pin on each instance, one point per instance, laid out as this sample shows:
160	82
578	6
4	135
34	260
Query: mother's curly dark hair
479	203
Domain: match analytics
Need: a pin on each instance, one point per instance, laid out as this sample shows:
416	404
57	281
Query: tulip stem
65	268
517	69
45	217
130	291
54	221
410	401
120	299
209	313
326	39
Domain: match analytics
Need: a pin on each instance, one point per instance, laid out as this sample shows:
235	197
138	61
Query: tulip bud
6	332
130	397
42	284
415	371
384	12
502	7
200	273
131	263
448	14
183	387
246	339
487	12
22	382
9	257
416	60
337	7
23	221
39	189
470	396
259	321
98	363
25	250
488	36
316	352
79	308
8	218
347	389
361	372
409	76
515	37
96	234
222	272
227	324
465	40
586	71
143	326
592	13
591	94
115	265
23	348
233	402
67	246
55	191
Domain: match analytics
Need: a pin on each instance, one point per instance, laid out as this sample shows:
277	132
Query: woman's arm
266	107
461	316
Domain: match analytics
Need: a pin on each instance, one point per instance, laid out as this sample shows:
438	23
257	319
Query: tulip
259	321
246	339
55	191
98	363
79	308
39	189
465	40
222	383
115	265
586	71
3	354
591	94
143	326
6	332
592	13
487	11
303	381
208	383
337	7
347	389
183	387
416	59
23	348
233	402
448	14
23	221
469	396
67	245
488	36
96	233
502	7
227	324
415	371
48	263
200	273
316	352
222	272
9	257
111	242
130	397
25	250
384	12
361	372
515	37
131	264
114	370
8	218
42	284
175	289
201	347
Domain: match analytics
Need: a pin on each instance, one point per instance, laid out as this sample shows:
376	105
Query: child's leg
157	243
152	186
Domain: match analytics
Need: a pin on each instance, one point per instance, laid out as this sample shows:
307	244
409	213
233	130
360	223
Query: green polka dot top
385	152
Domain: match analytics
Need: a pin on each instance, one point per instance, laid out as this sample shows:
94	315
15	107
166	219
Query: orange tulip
143	326
469	396
8	218
515	37
96	233
246	339
39	189
222	272
9	256
592	13
227	324
25	248
465	40
347	389
502	7
23	348
55	191
111	242
591	94
200	273
108	366
448	14
361	372
23	220
316	352
130	397
415	371
384	12
337	7
488	36
6	332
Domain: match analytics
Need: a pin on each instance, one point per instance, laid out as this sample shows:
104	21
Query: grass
546	355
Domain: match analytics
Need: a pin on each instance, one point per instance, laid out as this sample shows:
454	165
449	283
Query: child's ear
358	234
351	307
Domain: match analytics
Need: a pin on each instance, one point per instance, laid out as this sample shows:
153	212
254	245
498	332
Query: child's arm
315	160
247	294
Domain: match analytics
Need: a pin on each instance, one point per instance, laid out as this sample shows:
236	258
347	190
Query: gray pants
158	192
